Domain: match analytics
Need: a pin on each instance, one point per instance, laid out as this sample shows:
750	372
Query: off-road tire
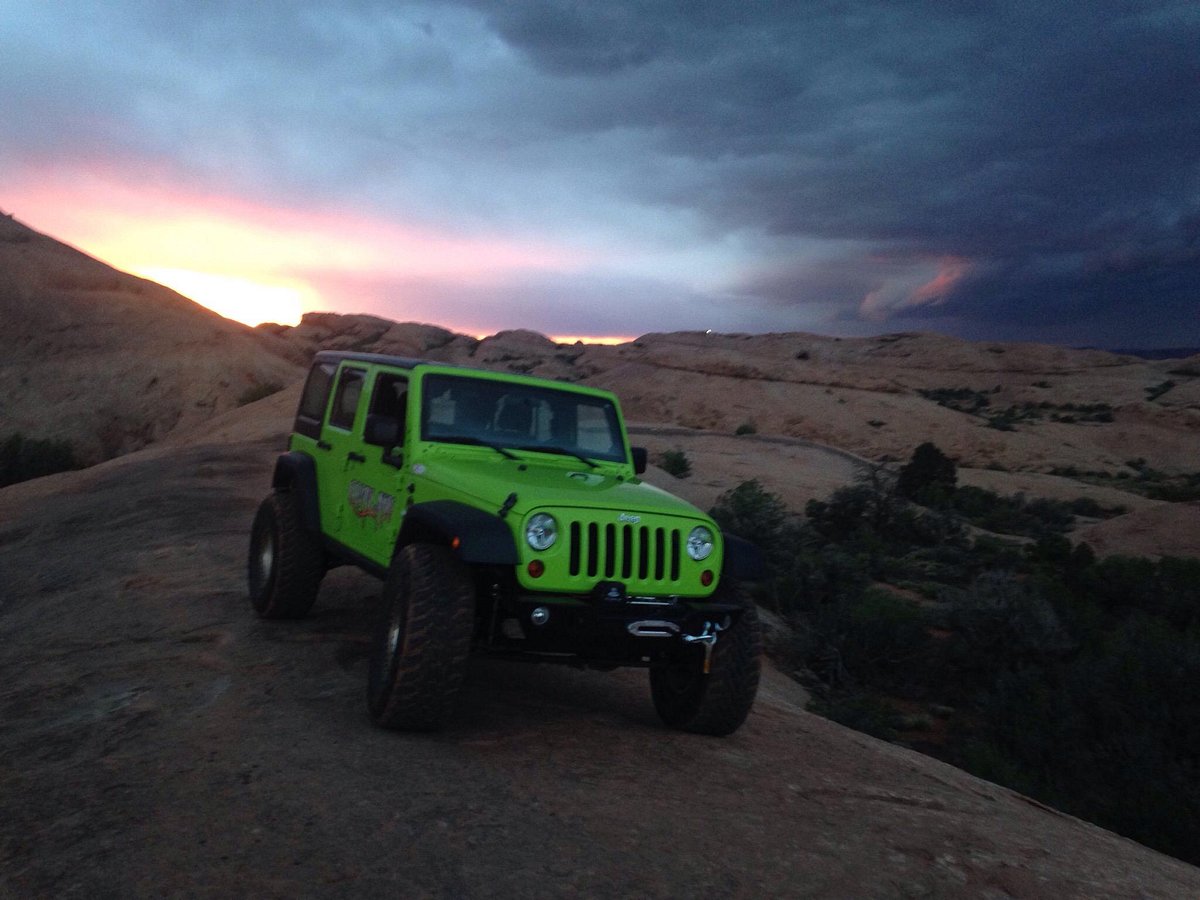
716	703
423	639
286	563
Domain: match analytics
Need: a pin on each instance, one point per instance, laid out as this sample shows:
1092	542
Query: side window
345	399
390	398
314	398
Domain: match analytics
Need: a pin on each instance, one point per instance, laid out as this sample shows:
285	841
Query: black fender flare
297	472
743	560
474	535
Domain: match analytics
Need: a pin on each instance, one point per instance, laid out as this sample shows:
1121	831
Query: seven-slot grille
641	552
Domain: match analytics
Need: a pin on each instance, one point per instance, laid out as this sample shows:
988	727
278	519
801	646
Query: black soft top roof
405	362
337	356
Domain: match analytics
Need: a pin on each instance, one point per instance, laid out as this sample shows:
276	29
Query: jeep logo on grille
631	519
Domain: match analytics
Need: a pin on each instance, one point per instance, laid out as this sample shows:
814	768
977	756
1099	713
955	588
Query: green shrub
1109	734
1086	506
746	428
1011	515
930	474
1153	393
676	463
1074	676
751	511
861	710
1179	492
965	400
23	458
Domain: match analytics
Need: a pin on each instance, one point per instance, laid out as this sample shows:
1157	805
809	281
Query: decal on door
369	503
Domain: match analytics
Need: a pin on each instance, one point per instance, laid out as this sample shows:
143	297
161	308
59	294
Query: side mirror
639	459
381	431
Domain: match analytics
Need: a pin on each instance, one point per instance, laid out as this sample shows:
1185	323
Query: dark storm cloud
1051	150
1010	168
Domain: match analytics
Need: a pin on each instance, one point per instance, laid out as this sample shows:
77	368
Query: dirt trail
157	739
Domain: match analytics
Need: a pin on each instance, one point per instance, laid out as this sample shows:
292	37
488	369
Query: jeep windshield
459	409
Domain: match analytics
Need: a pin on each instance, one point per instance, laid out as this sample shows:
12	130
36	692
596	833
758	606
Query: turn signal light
706	577
536	568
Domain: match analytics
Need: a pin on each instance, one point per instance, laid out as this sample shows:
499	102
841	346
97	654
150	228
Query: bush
881	637
1074	676
1109	735
861	710
1004	622
746	428
24	458
1086	506
676	463
966	400
751	511
1153	393
1011	515
930	474
1180	492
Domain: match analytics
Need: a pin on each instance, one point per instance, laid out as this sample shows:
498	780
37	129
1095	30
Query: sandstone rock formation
113	362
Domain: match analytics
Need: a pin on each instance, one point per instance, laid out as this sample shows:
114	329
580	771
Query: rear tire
716	703
286	563
423	639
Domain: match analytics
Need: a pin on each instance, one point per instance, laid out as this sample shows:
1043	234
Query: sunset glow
608	341
247	301
259	264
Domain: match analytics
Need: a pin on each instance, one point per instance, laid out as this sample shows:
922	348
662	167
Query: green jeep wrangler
505	516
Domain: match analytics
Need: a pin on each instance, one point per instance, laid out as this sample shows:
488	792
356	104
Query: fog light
540	616
706	578
536	568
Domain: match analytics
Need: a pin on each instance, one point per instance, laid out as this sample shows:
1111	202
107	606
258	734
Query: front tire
286	563
717	703
423	640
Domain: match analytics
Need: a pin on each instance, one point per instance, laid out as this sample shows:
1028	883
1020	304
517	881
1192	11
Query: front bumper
600	630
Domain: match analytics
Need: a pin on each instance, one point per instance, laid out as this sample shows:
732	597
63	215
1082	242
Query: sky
997	171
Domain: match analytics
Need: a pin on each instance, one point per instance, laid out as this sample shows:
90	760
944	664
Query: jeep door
373	477
337	445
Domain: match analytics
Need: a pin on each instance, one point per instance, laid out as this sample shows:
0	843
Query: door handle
324	445
355	457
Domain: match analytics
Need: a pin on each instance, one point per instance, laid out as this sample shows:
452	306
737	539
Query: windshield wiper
561	451
474	442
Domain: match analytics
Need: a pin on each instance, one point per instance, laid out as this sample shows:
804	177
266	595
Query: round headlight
699	543
541	531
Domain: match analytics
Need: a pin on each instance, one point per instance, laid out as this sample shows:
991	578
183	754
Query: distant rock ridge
115	362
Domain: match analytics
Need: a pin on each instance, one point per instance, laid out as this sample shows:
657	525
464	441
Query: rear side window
345	400
390	398
314	398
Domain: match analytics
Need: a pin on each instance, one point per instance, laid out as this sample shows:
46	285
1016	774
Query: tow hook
652	628
707	637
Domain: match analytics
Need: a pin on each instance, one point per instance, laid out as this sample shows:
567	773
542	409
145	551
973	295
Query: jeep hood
550	484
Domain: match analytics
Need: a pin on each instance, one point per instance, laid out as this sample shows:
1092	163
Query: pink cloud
152	228
951	270
913	283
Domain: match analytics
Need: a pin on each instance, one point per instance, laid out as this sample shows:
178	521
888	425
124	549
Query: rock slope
112	362
159	740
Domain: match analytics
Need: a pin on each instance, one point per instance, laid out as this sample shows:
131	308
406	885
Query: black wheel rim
263	553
